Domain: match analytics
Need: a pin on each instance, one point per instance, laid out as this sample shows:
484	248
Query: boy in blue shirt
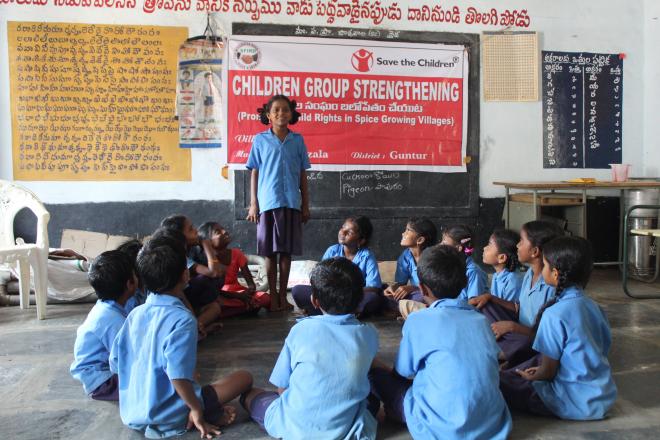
155	354
322	370
112	275
450	353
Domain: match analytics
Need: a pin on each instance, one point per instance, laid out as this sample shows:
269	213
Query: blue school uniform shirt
94	338
157	344
406	269
138	298
506	285
575	332
477	280
532	298
364	259
279	164
450	350
324	366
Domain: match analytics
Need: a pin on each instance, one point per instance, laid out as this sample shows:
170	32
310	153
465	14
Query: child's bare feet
228	415
275	305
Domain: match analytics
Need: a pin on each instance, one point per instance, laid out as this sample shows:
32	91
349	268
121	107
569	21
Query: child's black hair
176	222
442	269
424	228
166	237
161	265
506	242
206	230
461	235
540	232
364	226
109	273
131	247
573	259
337	284
263	111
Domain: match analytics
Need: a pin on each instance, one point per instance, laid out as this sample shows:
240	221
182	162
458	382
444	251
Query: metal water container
642	250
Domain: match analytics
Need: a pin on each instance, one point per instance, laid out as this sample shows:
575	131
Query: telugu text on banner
365	104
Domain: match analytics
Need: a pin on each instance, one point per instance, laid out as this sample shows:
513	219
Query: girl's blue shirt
364	259
533	297
406	269
280	164
477	280
575	332
506	285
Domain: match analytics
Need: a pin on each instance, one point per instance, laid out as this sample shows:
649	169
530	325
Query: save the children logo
247	56
362	60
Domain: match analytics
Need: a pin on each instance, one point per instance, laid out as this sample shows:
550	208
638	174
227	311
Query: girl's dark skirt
279	231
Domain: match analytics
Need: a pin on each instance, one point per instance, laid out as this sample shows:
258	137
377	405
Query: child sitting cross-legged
445	382
155	353
321	373
112	275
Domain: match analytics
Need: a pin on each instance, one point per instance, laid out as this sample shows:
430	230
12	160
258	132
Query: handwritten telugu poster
582	109
365	105
94	102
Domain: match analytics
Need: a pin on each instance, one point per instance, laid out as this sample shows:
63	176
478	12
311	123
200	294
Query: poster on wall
94	102
365	105
582	109
199	93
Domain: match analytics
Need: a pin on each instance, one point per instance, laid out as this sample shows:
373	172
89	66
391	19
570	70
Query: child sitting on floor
501	253
155	353
321	373
571	377
459	237
202	289
235	298
420	233
112	275
512	322
445	382
353	238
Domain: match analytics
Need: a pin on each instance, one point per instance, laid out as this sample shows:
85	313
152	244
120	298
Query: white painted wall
652	88
511	136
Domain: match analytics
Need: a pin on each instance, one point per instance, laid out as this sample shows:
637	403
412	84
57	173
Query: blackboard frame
467	206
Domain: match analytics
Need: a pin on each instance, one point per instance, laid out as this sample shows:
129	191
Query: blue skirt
279	231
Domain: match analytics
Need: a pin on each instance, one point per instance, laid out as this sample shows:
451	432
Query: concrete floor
40	400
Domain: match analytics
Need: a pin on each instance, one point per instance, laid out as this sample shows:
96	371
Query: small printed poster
199	93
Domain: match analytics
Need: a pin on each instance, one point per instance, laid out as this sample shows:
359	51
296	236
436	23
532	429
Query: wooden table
540	188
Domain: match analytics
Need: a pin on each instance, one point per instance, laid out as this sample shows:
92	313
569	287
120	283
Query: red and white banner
365	105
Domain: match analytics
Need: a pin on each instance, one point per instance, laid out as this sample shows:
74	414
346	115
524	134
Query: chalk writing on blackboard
94	102
582	109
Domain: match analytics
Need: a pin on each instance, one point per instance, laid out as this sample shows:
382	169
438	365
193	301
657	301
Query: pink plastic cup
620	172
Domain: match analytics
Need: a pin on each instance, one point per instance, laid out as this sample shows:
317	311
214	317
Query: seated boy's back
450	350
157	343
113	278
322	370
324	366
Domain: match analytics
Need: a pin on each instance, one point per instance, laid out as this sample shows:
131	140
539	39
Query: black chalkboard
582	109
386	194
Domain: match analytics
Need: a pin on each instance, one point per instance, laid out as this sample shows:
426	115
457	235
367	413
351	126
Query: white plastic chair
13	198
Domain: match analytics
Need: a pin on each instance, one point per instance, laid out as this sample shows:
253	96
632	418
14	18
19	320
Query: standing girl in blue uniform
353	244
420	233
571	377
512	321
501	253
279	201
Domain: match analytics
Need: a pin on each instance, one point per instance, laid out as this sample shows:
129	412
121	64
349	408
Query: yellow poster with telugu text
95	102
